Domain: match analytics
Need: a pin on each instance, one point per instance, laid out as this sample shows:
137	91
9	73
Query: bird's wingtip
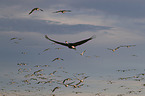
46	36
94	36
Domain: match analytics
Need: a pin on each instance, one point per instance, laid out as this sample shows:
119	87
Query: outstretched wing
83	41
32	10
67	10
57	11
40	9
56	41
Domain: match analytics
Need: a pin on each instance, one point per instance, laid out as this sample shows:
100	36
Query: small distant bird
58	48
16	38
35	9
55	89
134	55
83	53
114	49
46	49
128	46
57	59
53	73
82	80
23	53
71	45
21	64
38	71
62	11
110	82
67	79
13	38
66	85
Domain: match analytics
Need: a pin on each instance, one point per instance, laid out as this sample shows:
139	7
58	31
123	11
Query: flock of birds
39	77
37	9
53	79
127	46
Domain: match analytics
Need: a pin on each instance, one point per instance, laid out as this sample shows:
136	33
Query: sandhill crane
35	9
62	11
71	45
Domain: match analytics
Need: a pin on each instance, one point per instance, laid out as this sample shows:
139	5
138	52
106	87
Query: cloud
126	8
49	27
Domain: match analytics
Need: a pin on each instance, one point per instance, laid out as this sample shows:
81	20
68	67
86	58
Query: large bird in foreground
71	45
35	9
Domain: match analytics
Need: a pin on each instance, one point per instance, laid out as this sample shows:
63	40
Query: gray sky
114	22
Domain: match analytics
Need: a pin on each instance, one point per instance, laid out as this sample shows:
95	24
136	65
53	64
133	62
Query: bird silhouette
57	59
62	11
35	9
67	84
46	49
71	45
114	49
128	46
55	89
67	79
83	53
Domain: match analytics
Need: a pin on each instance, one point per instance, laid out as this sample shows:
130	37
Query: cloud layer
50	27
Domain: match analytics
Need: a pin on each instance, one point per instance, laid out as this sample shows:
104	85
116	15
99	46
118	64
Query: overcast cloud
49	27
114	22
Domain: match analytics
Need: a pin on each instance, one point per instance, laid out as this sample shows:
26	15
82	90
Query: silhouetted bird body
83	53
57	59
128	46
55	89
35	9
62	11
71	45
114	49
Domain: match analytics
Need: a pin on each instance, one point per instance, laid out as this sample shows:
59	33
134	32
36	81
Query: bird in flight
16	38
57	59
35	9
114	49
128	46
71	45
62	11
83	53
46	49
55	89
67	79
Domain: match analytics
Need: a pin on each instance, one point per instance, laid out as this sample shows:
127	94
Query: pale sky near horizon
114	22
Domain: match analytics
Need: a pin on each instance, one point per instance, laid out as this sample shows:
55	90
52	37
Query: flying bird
16	38
13	38
57	59
114	49
62	11
83	53
82	80
71	45
35	9
55	89
128	46
46	49
66	85
53	73
67	79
